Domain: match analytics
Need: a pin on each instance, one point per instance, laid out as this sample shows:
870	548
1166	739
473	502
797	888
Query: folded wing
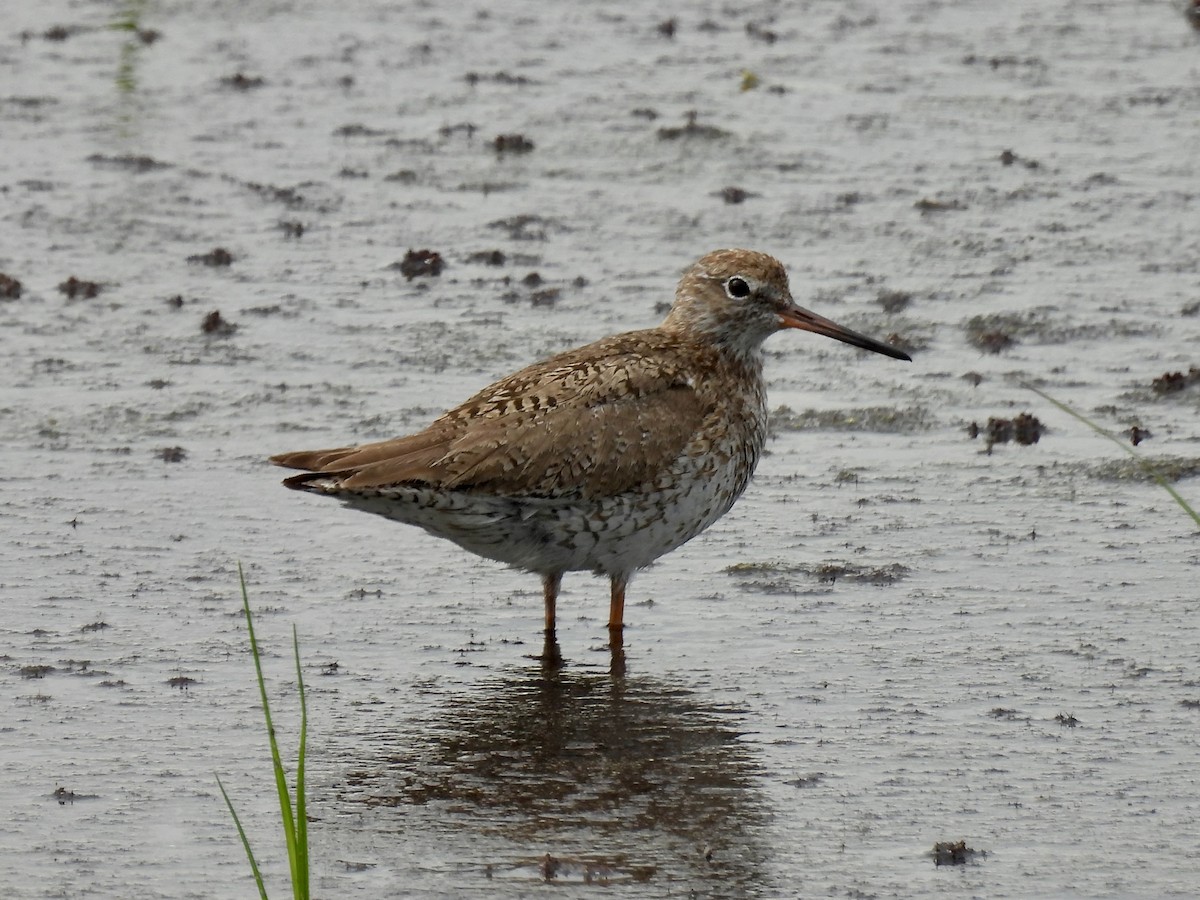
587	427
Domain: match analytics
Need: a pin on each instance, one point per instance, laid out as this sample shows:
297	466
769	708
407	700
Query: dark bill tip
798	317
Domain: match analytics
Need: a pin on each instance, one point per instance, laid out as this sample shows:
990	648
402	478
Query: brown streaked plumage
602	458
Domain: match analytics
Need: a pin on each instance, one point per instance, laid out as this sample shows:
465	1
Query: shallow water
894	639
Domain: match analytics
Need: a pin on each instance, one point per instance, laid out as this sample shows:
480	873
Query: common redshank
602	458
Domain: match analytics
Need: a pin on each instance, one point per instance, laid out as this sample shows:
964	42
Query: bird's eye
737	288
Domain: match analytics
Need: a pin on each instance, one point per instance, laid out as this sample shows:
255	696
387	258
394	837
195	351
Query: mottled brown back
593	421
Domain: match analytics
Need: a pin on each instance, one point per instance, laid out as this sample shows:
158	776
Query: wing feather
593	421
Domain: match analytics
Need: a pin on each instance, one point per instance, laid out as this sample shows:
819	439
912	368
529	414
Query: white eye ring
737	288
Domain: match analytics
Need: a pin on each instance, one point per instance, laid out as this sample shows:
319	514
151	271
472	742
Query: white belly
613	535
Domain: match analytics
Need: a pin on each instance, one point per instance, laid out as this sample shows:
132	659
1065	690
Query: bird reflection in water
566	774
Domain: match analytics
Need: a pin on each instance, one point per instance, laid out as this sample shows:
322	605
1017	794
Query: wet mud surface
230	232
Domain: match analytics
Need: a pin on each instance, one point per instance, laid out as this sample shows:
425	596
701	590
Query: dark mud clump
954	853
734	195
512	143
761	33
218	257
10	288
488	258
357	129
171	454
997	332
1023	429
930	205
58	33
76	287
501	78
1173	382
894	301
994	341
216	325
288	196
1003	712
128	162
545	297
240	81
1008	157
420	264
1008	61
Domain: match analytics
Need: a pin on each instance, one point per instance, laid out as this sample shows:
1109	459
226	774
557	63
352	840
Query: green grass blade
285	800
262	890
300	883
1146	466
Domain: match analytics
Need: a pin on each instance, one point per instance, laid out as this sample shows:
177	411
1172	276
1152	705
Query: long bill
798	317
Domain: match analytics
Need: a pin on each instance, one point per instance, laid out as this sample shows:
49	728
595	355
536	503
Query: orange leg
616	627
616	606
550	585
551	656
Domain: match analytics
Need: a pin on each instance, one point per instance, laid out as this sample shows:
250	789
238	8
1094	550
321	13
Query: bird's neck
744	357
